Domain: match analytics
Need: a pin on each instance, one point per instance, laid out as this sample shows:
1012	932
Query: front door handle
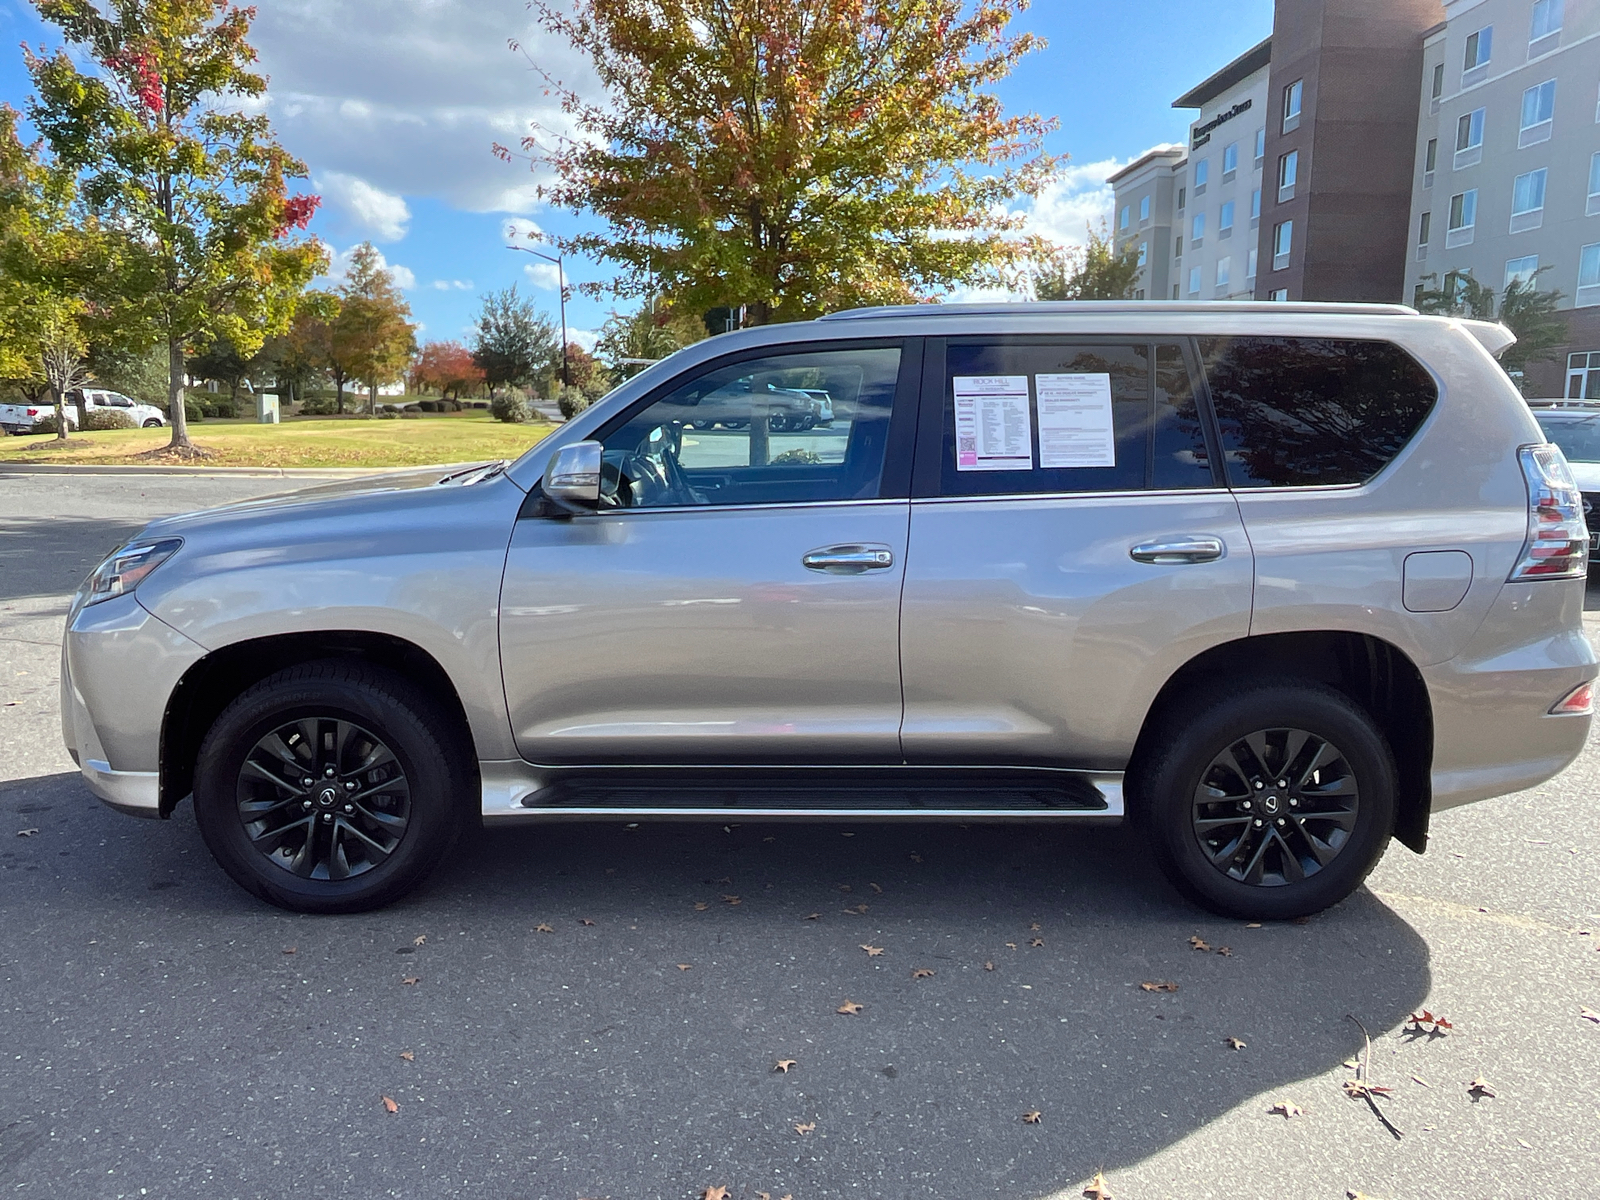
1173	551
849	560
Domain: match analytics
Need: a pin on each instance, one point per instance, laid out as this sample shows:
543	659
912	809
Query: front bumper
119	666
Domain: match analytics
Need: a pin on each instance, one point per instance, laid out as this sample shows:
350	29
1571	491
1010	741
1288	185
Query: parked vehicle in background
23	418
1574	425
1275	581
732	407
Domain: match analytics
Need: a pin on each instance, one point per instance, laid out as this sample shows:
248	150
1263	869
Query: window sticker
994	425
1075	427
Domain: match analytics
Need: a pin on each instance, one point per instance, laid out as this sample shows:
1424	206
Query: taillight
1558	541
33	412
1579	702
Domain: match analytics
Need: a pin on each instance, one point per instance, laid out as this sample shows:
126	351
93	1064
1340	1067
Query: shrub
480	404
192	410
410	415
796	457
428	405
511	406
387	413
318	406
106	418
571	400
45	424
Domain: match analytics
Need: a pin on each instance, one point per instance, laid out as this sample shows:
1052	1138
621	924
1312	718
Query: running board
518	792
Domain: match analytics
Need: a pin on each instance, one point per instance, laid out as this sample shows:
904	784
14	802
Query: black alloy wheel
1265	800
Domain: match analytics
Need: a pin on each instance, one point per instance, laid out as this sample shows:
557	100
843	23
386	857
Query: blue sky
393	104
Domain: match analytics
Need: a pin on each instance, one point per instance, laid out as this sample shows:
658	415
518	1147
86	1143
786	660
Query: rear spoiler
1492	336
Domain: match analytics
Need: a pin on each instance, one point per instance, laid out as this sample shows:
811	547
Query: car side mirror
572	480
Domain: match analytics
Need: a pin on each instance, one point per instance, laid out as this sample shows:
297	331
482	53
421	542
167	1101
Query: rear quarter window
1300	412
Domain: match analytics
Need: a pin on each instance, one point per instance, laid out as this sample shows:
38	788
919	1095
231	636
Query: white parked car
21	418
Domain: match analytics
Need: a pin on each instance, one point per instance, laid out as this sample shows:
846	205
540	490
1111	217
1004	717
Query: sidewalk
244	472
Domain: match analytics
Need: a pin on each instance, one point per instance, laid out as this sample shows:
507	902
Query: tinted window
1300	411
1579	438
780	430
1054	417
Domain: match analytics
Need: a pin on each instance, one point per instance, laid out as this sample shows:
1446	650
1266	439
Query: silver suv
1275	581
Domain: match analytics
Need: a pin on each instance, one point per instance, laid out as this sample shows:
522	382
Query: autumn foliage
446	368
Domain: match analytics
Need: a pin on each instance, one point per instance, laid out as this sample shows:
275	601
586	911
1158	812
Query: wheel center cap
1270	805
328	797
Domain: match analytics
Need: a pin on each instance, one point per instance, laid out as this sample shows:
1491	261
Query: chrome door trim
507	786
852	558
1200	548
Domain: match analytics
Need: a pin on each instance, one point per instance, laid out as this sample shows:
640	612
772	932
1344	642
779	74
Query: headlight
125	569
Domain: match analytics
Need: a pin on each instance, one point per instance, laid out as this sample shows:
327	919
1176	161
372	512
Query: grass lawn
298	442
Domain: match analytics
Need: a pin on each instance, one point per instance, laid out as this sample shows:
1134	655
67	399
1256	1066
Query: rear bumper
1492	730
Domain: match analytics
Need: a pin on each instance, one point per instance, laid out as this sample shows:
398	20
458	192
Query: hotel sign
1202	133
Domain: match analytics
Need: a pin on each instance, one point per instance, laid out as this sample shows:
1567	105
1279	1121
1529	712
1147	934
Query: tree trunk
175	405
372	399
61	415
338	392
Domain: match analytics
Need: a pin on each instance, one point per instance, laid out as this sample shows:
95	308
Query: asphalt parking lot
596	1011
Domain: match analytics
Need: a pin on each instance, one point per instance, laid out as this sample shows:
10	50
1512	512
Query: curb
224	472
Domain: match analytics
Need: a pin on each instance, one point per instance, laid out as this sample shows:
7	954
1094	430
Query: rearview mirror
573	476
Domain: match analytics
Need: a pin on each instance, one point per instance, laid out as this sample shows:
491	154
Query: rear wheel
326	789
152	423
1268	802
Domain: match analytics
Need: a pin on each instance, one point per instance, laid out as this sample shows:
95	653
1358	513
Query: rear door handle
1173	551
849	560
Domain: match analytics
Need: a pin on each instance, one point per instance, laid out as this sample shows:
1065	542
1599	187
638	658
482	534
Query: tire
372	824
1221	847
153	423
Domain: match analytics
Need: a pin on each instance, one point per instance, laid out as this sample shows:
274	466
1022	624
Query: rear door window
1061	416
1302	412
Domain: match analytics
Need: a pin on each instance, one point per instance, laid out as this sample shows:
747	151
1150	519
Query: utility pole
561	280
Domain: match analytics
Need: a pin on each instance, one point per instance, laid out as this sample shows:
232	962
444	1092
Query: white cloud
544	275
339	268
1079	198
585	338
371	89
519	231
451	285
373	211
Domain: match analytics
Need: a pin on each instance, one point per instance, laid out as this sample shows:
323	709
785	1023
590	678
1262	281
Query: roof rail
1090	307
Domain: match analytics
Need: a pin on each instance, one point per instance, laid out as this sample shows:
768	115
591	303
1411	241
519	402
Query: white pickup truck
21	418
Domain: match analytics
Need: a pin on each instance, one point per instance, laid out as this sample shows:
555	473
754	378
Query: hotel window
1197	233
1583	376
1469	139
1593	206
1546	32
1538	114
1527	201
1224	270
1174	291
1194	281
1292	96
1430	162
1424	232
1144	253
1588	276
1255	208
1139	295
1288	169
1230	161
1225	220
1177	250
1261	146
1438	86
1202	171
1183	194
1282	243
1479	45
1522	270
1279	295
1122	219
1463	218
1144	209
1250	265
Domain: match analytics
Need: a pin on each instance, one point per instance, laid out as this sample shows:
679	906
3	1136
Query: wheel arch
1374	674
211	684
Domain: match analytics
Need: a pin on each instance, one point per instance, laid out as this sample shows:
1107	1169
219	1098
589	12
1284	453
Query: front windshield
1579	439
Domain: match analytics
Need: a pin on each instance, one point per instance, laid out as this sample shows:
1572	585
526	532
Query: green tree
221	361
795	156
652	331
512	340
140	373
1531	314
1096	271
372	338
161	132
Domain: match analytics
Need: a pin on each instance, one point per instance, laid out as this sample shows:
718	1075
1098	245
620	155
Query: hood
336	494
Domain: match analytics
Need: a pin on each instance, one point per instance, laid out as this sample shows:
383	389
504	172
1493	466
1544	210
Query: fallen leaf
1287	1109
1098	1189
420	940
922	973
1234	1043
861	908
1479	1087
26	832
872	951
876	889
1032	1117
541	927
408	1055
783	1064
814	916
802	1130
1358	1089
844	887
769	839
714	1193
1011	945
1158	985
1525	1145
988	966
684	966
1421	1080
1426	1022
390	1105
1035	942
850	1008
725	881
1035	927
701	906
585	921
1198	944
1253	925
1300	921
732	900
1589	1014
412	980
291	950
1225	951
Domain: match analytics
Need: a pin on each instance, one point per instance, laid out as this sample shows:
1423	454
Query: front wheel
1268	802
325	788
153	423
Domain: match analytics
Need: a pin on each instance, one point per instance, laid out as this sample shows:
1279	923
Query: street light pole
561	281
